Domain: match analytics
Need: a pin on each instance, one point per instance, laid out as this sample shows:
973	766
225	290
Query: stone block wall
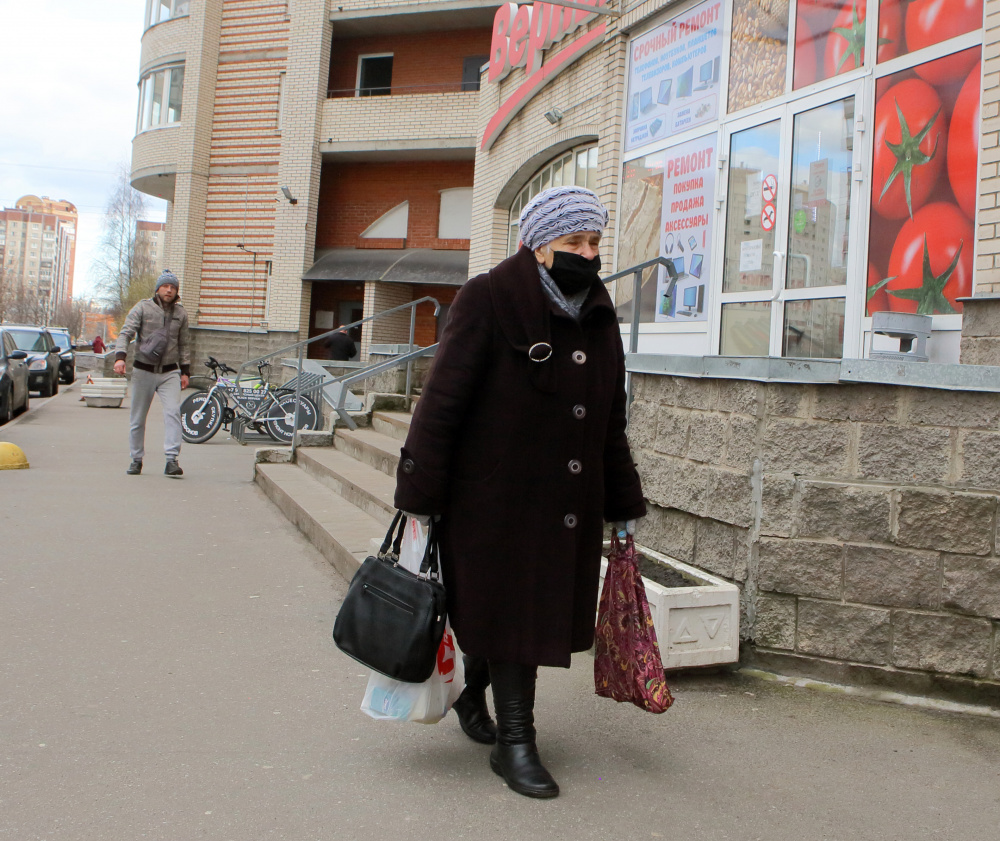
860	520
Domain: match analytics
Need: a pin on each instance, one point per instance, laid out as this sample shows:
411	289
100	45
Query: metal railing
347	380
402	90
636	272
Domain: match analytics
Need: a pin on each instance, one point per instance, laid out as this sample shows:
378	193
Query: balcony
155	156
430	121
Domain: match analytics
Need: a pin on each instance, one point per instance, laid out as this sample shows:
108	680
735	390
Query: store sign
674	76
688	188
521	34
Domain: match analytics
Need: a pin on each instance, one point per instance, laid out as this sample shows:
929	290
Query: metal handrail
636	272
356	377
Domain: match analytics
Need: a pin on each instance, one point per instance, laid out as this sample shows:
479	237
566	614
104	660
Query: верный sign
520	36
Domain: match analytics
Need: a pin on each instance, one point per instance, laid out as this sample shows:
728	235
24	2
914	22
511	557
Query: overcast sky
68	106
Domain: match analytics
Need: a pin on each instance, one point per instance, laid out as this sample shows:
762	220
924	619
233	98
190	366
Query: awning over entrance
391	265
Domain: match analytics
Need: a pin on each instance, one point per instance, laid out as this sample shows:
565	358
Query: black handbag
392	620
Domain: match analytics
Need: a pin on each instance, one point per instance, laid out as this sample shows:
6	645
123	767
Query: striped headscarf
559	211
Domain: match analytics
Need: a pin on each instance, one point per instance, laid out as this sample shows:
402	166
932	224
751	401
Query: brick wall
860	521
420	61
354	195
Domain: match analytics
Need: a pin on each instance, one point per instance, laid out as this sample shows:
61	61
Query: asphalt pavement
167	672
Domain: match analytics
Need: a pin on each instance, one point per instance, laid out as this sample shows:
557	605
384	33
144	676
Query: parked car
13	378
43	357
67	357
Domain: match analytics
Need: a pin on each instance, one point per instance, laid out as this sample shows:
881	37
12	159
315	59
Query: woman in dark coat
518	444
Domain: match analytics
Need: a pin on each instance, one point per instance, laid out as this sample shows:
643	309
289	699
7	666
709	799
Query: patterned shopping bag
627	664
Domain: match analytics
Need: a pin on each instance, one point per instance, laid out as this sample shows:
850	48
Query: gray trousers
168	386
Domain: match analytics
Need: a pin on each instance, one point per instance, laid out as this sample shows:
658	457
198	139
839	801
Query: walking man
162	365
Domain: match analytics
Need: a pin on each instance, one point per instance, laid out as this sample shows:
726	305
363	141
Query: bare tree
124	272
69	314
19	302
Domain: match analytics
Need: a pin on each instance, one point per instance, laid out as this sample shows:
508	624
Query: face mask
573	273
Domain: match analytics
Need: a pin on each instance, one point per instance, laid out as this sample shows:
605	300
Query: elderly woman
518	444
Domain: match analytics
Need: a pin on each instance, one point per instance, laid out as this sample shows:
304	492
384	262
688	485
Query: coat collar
523	309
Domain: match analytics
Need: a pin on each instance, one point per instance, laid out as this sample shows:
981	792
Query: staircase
340	497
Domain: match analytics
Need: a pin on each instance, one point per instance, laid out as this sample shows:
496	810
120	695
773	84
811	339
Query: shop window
577	167
924	186
455	216
160	97
758	52
374	75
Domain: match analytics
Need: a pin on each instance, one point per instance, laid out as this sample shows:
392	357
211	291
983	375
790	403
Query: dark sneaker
134	469
173	469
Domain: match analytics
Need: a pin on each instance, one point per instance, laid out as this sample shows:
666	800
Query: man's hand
184	381
119	366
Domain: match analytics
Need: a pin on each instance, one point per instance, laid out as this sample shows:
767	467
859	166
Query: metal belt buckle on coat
539	348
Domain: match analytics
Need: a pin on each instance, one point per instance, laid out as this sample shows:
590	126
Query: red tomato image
931	262
878	298
804	72
911	136
845	45
933	21
963	144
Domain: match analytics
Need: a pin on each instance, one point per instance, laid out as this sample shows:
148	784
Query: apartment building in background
317	161
38	248
150	243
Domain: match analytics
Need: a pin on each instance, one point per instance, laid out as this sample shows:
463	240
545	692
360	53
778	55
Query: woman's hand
625	527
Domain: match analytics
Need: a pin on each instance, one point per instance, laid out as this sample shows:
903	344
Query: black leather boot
473	714
515	757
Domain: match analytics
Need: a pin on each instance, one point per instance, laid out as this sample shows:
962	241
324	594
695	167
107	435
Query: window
455	217
470	71
391	225
374	75
160	96
843	176
161	10
577	167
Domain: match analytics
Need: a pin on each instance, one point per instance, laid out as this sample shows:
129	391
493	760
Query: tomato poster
688	190
674	76
924	184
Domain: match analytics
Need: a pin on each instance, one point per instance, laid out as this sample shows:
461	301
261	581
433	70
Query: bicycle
260	405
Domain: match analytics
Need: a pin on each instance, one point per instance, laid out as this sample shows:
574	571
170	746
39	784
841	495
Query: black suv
67	358
43	357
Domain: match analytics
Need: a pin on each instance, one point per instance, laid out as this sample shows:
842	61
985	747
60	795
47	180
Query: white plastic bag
427	702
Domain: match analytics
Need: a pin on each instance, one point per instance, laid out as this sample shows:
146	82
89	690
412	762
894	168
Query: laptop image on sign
663	97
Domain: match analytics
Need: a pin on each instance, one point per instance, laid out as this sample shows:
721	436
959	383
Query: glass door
791	211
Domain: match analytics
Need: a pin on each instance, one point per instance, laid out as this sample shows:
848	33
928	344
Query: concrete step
370	447
394	424
361	485
339	530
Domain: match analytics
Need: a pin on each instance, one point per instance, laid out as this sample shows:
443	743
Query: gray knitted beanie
559	211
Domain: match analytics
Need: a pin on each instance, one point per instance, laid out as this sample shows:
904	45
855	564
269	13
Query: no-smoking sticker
767	217
769	190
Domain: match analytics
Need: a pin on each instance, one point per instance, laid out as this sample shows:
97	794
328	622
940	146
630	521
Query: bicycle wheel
280	417
201	417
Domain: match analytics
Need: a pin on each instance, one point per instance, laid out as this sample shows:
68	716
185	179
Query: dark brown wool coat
524	460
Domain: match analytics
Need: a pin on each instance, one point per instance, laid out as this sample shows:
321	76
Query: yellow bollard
12	457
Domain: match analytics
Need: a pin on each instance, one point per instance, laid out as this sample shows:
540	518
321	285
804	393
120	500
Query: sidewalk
167	673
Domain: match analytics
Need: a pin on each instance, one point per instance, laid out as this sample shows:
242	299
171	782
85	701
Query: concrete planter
696	624
104	392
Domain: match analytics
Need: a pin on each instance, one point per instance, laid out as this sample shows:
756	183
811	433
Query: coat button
579	411
579	357
575	466
409	466
570	521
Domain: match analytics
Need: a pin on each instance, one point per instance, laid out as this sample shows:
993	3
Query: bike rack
348	379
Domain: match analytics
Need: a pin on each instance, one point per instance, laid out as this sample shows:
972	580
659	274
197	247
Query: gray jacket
145	318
